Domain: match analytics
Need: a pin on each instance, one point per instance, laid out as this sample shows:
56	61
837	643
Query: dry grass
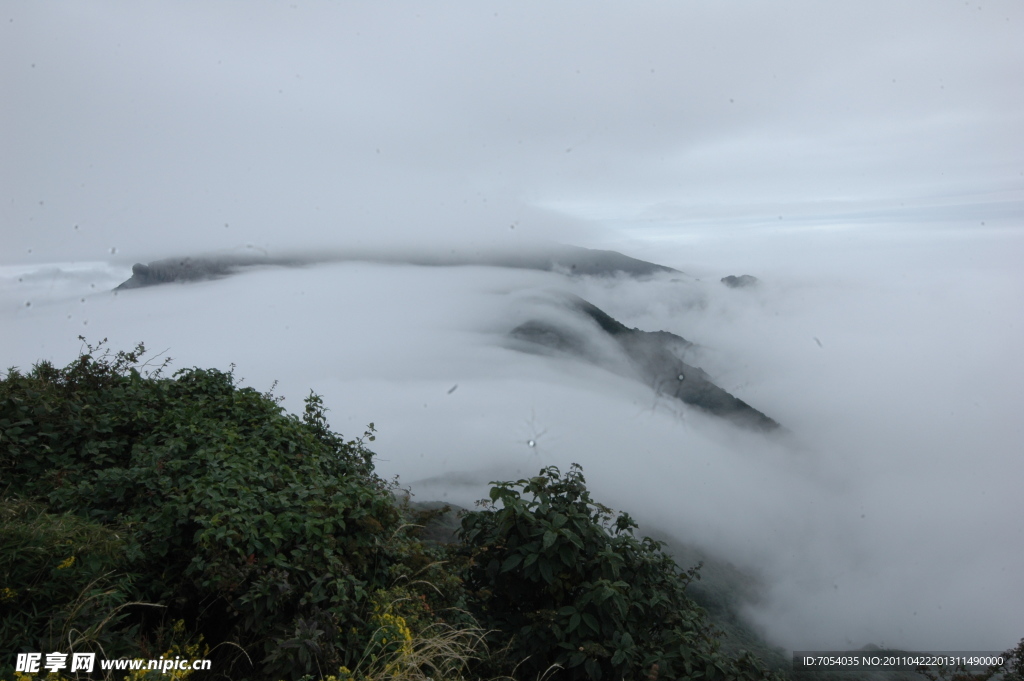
441	653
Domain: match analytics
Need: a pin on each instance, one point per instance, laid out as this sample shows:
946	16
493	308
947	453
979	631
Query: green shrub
61	582
574	594
254	526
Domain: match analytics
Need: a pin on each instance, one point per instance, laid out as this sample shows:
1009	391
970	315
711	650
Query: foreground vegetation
146	516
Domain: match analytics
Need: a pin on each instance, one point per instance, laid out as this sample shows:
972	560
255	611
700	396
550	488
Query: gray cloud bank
162	129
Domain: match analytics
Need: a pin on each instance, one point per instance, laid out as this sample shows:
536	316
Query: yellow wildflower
68	562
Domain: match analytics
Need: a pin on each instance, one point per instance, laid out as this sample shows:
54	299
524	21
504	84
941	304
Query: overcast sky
865	160
176	126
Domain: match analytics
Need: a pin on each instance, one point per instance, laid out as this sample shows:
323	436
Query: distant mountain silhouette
742	281
557	258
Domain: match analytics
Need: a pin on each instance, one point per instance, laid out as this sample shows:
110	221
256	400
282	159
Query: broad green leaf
512	562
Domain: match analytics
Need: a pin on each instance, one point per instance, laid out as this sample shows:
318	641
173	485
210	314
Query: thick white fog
865	163
890	513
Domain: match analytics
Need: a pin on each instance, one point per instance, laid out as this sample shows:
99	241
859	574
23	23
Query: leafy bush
60	581
573	592
254	526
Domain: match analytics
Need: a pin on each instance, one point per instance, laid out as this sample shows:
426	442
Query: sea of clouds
887	512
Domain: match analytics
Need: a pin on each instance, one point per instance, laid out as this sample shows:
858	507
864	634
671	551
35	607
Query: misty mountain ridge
555	258
655	358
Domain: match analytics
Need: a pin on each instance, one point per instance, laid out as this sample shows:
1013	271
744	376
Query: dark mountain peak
654	357
742	281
